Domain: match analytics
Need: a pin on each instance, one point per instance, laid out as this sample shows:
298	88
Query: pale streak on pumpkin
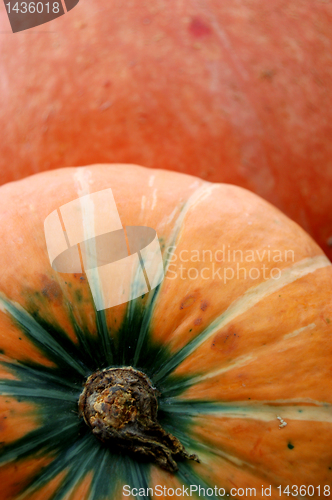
255	294
300	330
240	361
244	360
259	410
154	198
194	199
143	200
151	180
82	177
200	194
231	458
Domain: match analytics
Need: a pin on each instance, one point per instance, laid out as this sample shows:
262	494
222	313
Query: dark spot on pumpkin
226	341
51	289
82	278
187	301
290	446
77	275
198	321
78	295
268	74
2	351
199	28
204	304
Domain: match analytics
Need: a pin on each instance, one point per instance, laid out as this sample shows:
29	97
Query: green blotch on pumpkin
78	295
328	320
290	446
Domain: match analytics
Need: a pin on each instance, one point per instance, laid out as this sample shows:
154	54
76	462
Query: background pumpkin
229	358
230	92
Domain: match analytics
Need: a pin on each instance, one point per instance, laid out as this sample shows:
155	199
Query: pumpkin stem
120	406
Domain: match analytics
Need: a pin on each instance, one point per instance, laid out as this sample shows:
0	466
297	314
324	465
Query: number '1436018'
32	7
305	490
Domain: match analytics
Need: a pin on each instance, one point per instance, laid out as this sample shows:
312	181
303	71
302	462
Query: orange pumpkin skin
246	361
230	93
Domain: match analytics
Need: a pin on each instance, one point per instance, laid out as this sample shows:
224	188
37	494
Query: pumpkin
220	374
236	93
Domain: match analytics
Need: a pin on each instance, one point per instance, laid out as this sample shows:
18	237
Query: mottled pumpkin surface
237	344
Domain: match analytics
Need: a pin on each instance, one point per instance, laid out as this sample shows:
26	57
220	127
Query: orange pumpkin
237	93
236	339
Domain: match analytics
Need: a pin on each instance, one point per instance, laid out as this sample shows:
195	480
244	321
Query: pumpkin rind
232	360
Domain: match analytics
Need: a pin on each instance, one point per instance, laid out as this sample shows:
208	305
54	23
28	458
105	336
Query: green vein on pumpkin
189	477
126	336
177	358
99	488
27	391
57	332
174	385
90	349
77	471
145	325
179	426
38	335
50	437
104	336
151	355
138	475
112	470
67	457
74	349
38	374
193	407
